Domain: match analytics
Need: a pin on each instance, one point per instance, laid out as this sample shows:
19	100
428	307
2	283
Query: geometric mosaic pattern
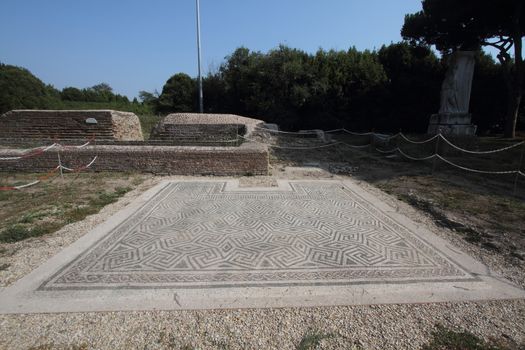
196	234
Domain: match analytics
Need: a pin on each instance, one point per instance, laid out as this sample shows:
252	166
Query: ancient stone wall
212	128
81	124
246	159
212	133
126	126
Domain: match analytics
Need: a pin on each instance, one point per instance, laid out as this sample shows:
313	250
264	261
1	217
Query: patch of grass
4	266
17	232
446	339
137	181
50	205
312	339
78	214
32	216
147	123
105	198
5	195
95	204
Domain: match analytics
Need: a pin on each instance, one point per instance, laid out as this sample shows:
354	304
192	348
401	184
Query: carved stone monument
454	117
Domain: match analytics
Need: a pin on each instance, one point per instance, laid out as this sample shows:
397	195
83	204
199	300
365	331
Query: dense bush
396	87
19	89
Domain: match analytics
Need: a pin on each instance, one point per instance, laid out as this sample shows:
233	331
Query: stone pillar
454	117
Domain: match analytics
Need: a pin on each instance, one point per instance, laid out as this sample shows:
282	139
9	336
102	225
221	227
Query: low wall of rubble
247	159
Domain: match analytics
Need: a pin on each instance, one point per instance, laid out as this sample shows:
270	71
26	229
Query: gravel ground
362	327
359	327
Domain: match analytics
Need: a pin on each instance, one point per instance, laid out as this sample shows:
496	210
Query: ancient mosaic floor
202	244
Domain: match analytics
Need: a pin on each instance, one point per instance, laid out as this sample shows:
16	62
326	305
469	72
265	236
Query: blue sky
137	45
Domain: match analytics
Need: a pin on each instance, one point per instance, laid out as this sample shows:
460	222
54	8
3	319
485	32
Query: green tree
20	89
148	97
178	94
412	91
469	24
72	94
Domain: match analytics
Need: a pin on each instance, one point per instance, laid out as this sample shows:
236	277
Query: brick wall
247	159
44	124
198	132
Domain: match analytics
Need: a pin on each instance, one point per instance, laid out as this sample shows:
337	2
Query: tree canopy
20	89
453	25
177	94
394	88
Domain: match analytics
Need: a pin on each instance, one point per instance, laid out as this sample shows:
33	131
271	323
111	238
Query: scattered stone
342	168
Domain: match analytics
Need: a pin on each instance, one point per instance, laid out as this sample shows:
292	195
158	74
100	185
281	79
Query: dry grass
48	206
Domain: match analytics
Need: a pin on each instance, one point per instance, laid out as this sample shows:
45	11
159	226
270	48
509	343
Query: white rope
305	132
386	137
418	142
307	147
358	133
386	152
413	158
481	152
478	171
82	167
32	152
354	146
10	158
26	185
286	147
462	167
84	145
11	188
49	147
315	132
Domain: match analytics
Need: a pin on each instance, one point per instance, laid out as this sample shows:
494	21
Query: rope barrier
286	147
459	166
80	168
46	176
413	158
314	132
306	132
358	133
39	150
32	153
481	152
40	179
400	151
386	137
305	148
418	142
356	146
386	152
478	171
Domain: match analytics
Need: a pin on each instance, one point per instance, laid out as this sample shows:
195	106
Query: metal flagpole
201	105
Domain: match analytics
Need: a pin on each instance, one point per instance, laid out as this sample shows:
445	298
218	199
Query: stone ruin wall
126	126
195	127
50	124
247	159
212	133
124	149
